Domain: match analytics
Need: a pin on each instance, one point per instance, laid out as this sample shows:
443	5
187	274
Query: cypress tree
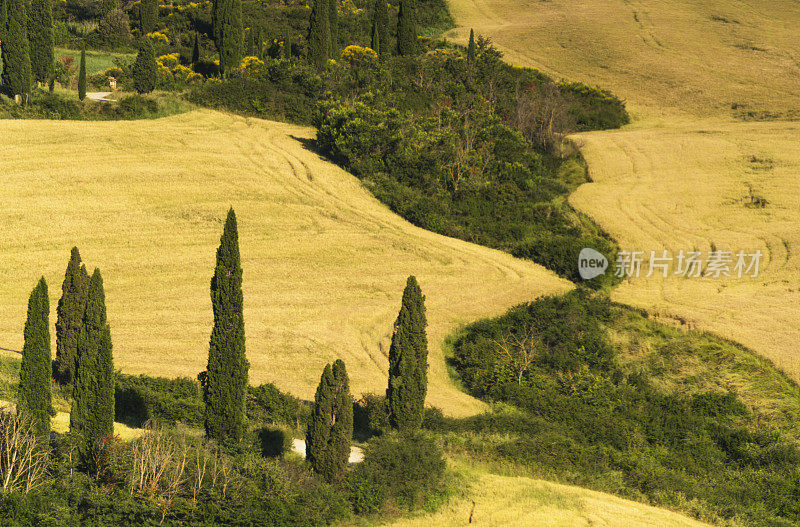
287	47
228	33
15	49
471	47
260	43
92	415
35	397
406	30
148	16
82	75
70	317
250	48
145	68
225	389
380	28
319	34
331	426
408	361
40	33
196	49
333	27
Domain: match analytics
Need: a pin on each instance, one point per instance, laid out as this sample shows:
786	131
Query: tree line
84	367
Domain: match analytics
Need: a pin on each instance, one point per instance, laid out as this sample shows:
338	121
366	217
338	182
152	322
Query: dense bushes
579	414
167	401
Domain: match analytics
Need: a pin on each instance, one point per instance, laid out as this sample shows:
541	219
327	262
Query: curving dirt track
324	262
713	88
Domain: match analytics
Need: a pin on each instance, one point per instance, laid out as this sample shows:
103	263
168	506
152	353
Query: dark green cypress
331	426
82	75
40	33
333	27
260	43
145	68
250	48
406	30
319	34
15	49
148	16
408	361
92	415
35	396
196	49
380	25
471	47
70	317
228	33
226	376
375	37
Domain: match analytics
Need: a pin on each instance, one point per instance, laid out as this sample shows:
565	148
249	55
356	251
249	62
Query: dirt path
100	96
356	453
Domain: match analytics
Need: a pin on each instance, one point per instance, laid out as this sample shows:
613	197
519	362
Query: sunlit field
324	262
712	87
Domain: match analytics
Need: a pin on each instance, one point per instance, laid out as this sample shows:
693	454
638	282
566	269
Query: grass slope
324	262
711	86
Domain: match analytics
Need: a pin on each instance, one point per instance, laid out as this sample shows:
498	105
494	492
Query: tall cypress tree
40	33
250	41
92	415
406	30
471	47
196	49
380	29
35	397
70	317
82	75
331	426
287	47
148	16
333	26
145	69
15	48
228	32
408	361
319	34
225	389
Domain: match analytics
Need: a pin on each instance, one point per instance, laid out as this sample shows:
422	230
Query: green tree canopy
225	389
148	16
40	33
69	317
145	69
408	361
15	48
228	30
319	34
331	426
35	395
406	30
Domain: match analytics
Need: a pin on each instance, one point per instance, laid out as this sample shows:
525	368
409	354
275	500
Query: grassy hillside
324	262
707	84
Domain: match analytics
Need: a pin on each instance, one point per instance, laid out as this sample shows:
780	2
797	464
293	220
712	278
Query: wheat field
505	501
712	87
324	262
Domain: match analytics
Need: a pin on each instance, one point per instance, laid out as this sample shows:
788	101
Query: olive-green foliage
380	29
167	402
148	16
35	396
333	26
92	415
408	361
40	34
15	48
250	44
287	47
471	46
82	75
406	30
145	68
319	37
586	413
69	313
225	390
331	426
196	49
228	30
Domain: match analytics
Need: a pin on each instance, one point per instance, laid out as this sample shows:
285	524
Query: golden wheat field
521	501
712	87
324	262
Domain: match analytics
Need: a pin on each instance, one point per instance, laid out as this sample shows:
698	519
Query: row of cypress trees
84	358
26	44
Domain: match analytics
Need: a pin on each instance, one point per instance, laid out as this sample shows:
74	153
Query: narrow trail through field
713	90
324	262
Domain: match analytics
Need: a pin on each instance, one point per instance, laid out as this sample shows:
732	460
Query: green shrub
165	401
267	404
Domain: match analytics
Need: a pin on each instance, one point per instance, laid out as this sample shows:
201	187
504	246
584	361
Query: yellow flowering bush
164	72
158	37
113	72
194	78
251	64
355	54
168	61
182	72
